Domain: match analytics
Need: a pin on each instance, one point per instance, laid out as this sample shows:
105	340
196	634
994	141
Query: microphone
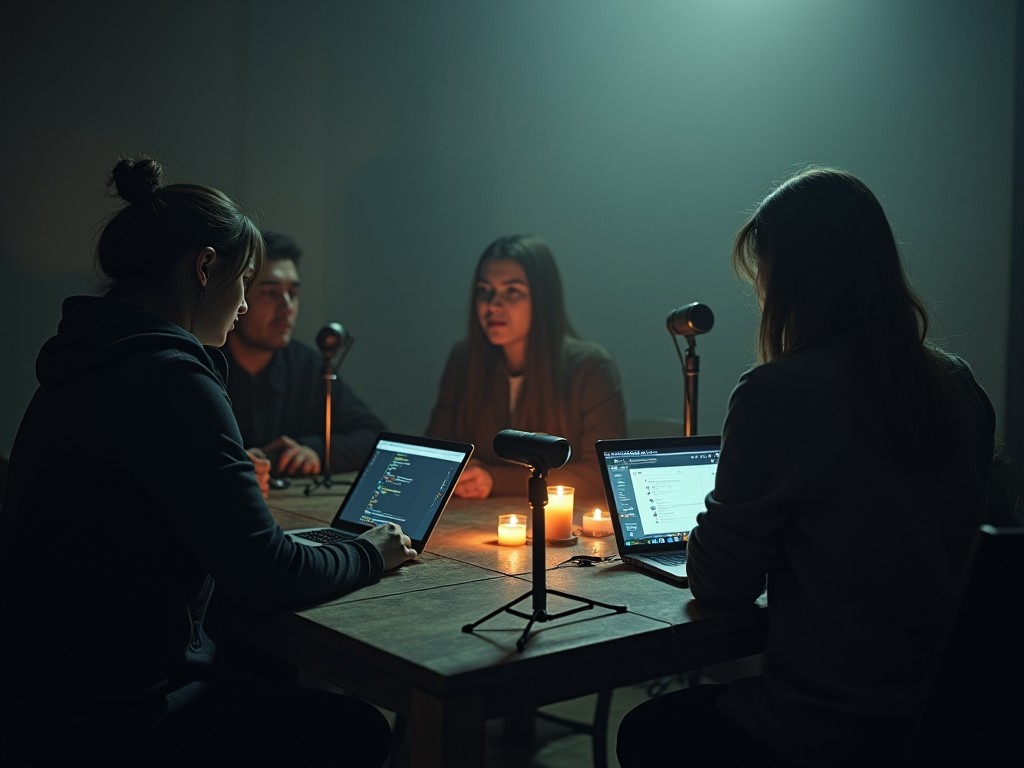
332	338
690	320
534	449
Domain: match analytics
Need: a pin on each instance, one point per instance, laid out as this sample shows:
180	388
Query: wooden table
400	643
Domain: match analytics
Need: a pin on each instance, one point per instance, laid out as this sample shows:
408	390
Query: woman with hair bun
117	564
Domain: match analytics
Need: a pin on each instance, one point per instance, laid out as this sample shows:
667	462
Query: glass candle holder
511	530
597	523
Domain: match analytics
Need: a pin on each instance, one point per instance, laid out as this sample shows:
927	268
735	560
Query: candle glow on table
596	523
512	530
558	512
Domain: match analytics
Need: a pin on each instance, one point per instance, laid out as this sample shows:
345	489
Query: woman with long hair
522	366
852	479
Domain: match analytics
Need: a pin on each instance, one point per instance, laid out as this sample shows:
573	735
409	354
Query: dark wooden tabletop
401	644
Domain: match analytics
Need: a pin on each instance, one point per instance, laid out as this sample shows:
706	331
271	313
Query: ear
202	262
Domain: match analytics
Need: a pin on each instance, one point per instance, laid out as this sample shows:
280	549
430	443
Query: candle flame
513	520
597	513
560	491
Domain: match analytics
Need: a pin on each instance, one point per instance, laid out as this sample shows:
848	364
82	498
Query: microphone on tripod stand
690	320
534	449
334	342
540	452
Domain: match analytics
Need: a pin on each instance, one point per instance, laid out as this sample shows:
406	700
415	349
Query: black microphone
534	449
332	338
690	320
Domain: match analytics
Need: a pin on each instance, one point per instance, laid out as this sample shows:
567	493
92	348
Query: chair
975	705
4	461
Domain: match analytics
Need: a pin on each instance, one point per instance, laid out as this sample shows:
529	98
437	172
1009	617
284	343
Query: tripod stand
333	341
538	499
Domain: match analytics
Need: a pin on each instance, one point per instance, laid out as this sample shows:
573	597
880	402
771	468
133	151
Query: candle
511	530
558	512
597	523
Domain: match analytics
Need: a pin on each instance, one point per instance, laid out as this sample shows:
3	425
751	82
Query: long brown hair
540	407
823	259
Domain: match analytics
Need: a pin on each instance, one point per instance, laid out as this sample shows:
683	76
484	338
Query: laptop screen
655	487
405	480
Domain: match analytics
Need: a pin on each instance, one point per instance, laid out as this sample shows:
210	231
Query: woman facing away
522	366
133	518
852	480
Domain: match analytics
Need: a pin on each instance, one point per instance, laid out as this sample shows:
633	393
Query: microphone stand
538	500
330	376
691	368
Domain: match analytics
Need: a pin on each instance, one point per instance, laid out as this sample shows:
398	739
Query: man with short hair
276	384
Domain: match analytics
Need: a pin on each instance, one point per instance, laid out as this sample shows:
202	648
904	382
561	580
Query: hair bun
136	179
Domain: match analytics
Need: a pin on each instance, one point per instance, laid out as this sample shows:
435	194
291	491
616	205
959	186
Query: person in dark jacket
118	565
276	383
852	479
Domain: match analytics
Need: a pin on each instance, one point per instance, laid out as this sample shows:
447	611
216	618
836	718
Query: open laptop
405	480
655	488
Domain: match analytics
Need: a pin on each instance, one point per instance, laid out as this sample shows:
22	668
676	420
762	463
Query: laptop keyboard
669	558
323	535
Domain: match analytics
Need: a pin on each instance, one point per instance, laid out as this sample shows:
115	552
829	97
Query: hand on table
261	465
292	457
475	483
394	546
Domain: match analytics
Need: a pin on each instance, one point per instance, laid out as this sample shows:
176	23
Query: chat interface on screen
403	484
658	495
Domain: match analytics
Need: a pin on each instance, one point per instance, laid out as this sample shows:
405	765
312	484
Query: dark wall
395	139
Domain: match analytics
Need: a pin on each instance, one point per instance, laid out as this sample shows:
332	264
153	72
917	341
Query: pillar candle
558	512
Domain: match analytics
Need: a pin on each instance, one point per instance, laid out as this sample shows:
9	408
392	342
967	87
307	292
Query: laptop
655	487
406	480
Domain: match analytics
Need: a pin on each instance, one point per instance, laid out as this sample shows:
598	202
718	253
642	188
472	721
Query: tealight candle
596	523
558	512
511	530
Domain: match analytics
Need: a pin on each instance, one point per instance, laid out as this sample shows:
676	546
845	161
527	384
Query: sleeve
513	479
209	496
735	539
600	413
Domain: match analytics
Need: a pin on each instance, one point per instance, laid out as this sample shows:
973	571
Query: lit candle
597	523
511	530
558	512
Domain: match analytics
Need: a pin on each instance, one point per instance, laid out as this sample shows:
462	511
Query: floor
555	746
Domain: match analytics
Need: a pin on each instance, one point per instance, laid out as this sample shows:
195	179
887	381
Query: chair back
976	701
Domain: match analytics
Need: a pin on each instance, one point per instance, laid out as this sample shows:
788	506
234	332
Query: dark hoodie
130	495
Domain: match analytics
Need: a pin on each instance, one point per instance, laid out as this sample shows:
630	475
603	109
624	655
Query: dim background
395	139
